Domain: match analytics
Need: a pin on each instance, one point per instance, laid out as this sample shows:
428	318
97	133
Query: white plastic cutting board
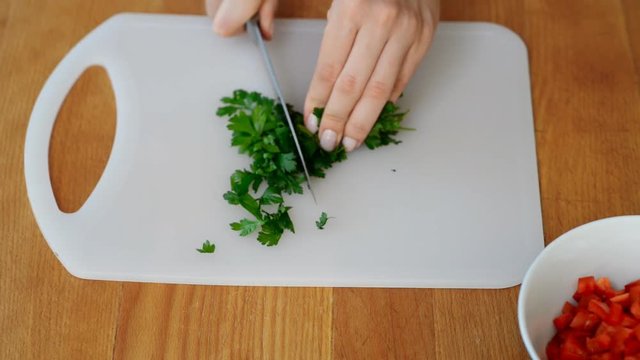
455	205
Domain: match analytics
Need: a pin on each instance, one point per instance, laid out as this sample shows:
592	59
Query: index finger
335	48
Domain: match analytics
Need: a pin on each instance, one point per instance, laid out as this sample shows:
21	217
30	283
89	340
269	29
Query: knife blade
254	32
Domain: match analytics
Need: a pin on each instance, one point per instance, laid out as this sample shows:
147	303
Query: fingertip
216	29
270	29
266	27
220	26
267	14
349	143
311	120
312	123
328	140
266	30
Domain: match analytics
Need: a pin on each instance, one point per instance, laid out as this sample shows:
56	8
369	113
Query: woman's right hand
229	16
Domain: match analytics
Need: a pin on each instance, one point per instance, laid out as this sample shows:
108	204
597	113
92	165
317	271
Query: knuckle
331	12
401	83
412	24
426	29
311	102
332	120
347	83
346	11
328	72
358	130
387	13
427	33
429	20
377	90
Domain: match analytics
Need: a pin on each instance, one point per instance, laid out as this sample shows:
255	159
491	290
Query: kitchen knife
256	36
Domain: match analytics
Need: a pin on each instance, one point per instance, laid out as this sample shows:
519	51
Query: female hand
369	51
229	16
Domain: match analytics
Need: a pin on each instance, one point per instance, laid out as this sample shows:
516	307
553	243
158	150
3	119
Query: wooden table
585	69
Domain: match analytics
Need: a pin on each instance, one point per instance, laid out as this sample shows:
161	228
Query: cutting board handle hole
82	139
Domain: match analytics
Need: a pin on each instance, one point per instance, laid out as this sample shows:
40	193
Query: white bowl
608	247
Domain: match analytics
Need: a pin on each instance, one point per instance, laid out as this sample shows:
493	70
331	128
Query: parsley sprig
259	129
322	221
207	247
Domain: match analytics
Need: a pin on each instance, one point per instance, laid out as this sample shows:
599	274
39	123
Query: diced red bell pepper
605	328
604	325
635	309
586	286
562	322
634	293
584	320
583	303
580	335
629	322
631	346
632	284
553	348
599	308
603	356
603	288
616	313
604	283
568	308
619	339
572	349
599	343
622	299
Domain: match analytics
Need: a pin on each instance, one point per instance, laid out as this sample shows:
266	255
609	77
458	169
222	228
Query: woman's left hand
369	51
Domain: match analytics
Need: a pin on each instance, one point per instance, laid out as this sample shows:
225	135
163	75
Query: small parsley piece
259	129
320	223
207	248
245	226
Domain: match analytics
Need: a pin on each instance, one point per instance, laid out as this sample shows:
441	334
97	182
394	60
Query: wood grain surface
585	71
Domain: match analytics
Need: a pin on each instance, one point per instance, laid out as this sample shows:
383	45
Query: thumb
232	15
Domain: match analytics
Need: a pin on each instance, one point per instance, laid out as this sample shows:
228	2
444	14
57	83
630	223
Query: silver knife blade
256	36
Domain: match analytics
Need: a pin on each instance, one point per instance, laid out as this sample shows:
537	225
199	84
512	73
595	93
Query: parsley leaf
270	234
287	162
259	129
251	205
271	196
245	226
207	248
386	127
232	198
241	180
320	223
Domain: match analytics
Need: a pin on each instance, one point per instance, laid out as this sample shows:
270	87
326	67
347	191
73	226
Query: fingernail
328	140
312	123
271	29
349	143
